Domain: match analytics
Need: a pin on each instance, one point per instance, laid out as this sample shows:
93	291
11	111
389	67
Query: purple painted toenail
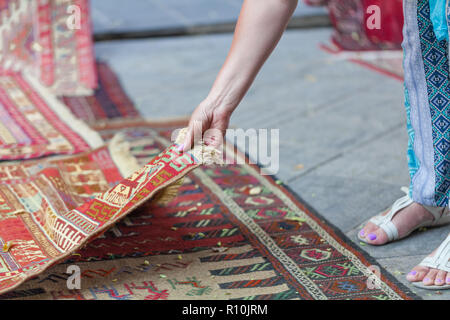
361	233
413	273
447	280
372	236
426	280
439	280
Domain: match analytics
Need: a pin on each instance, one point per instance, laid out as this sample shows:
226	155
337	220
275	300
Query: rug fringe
203	153
167	194
120	152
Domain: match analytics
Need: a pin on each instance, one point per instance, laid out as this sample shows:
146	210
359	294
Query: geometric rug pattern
231	233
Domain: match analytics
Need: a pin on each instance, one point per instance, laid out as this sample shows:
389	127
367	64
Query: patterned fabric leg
427	96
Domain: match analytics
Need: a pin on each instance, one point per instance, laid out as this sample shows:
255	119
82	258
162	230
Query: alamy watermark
73	21
74	279
262	146
373	280
374	20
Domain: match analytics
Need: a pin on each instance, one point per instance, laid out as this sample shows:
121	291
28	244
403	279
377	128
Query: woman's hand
258	30
207	122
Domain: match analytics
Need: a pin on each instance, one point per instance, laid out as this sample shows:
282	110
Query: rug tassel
167	194
119	149
205	154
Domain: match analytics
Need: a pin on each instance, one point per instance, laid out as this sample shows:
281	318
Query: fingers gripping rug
230	233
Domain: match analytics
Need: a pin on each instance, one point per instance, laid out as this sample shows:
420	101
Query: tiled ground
135	15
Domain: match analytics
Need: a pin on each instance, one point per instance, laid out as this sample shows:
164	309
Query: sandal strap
440	259
437	212
441	215
385	222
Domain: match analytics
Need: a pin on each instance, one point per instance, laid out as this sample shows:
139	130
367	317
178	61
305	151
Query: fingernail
181	147
413	273
372	236
361	233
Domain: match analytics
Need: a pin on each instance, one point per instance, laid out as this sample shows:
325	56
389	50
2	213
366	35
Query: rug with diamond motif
231	233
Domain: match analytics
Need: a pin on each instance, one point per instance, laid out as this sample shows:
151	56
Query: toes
372	234
430	277
377	237
368	228
417	274
440	278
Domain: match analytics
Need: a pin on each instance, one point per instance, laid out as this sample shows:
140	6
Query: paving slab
343	123
368	176
137	15
300	89
346	202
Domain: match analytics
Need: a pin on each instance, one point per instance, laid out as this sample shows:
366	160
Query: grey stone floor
135	15
343	123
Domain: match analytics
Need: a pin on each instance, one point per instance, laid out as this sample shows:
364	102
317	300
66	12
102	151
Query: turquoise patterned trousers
427	101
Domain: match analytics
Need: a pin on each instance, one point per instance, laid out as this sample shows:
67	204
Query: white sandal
441	261
441	216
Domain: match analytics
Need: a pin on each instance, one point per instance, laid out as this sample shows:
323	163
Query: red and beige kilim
109	100
33	123
51	209
50	39
231	233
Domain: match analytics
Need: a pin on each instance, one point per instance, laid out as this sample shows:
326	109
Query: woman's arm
258	30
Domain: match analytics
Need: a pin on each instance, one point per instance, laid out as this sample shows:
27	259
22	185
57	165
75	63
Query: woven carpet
43	38
33	123
353	20
50	213
109	100
231	233
385	62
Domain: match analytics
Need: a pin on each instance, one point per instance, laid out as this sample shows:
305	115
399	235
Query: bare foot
405	220
429	276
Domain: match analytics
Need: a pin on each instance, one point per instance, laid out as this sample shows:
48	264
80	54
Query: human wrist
220	104
228	90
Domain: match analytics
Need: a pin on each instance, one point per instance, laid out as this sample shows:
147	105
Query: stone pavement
137	15
343	124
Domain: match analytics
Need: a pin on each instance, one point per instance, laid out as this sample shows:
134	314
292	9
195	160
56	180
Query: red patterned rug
33	123
361	25
52	208
109	100
387	62
231	233
43	38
